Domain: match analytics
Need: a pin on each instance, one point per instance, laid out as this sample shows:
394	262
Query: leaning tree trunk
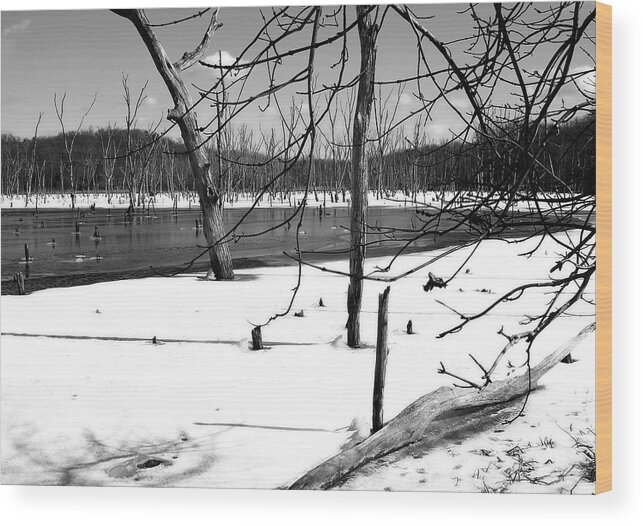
184	116
446	407
368	30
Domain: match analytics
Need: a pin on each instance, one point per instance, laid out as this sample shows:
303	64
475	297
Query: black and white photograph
336	247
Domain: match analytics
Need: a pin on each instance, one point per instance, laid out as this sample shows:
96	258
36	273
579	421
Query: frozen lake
163	239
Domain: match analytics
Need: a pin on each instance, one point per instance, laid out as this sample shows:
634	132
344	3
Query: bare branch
190	58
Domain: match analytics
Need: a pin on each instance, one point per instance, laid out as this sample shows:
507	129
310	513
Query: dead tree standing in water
183	115
69	142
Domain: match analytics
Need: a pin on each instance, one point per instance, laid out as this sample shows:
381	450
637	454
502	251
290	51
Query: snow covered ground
185	201
203	410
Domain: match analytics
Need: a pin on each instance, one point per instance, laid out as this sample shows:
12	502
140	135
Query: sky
82	53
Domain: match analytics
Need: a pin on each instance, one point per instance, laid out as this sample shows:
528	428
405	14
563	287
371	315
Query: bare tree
368	30
183	114
31	178
70	141
133	106
109	148
495	179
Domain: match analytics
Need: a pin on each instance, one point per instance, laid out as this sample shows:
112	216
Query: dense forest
156	164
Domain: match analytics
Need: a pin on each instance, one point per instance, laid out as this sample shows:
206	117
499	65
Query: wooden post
19	279
257	341
26	253
381	357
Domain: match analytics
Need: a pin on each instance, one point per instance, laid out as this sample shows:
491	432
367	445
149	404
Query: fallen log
414	422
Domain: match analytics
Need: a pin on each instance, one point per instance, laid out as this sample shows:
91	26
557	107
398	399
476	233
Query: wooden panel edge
604	247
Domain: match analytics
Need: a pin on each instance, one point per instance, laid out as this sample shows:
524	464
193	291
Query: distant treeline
98	161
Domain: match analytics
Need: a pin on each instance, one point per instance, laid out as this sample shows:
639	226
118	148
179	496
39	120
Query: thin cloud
224	58
17	28
585	77
407	99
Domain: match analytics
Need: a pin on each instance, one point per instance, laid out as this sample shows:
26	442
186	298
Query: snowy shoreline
88	412
36	283
185	201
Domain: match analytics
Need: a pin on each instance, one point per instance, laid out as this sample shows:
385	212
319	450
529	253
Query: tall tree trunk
184	116
368	31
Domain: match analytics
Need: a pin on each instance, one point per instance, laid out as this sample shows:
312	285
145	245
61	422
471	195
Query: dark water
128	248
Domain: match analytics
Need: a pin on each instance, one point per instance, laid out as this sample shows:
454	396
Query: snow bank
186	201
216	414
242	201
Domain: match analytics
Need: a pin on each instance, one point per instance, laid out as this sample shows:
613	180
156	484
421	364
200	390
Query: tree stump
381	358
257	341
409	327
19	280
434	283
